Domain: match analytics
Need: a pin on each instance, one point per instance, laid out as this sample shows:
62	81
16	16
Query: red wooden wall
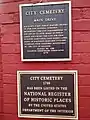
10	56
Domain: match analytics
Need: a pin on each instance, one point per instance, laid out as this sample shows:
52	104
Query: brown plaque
45	31
47	94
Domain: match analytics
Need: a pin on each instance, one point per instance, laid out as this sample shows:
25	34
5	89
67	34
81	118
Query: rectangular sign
45	30
47	94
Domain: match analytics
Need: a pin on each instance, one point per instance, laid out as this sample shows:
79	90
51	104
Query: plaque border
75	72
70	36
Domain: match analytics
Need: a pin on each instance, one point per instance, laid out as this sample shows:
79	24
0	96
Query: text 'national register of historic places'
47	94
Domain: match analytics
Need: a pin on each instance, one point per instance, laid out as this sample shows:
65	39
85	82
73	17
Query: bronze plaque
45	30
47	94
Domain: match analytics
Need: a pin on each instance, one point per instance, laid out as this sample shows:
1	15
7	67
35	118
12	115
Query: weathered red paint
10	60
